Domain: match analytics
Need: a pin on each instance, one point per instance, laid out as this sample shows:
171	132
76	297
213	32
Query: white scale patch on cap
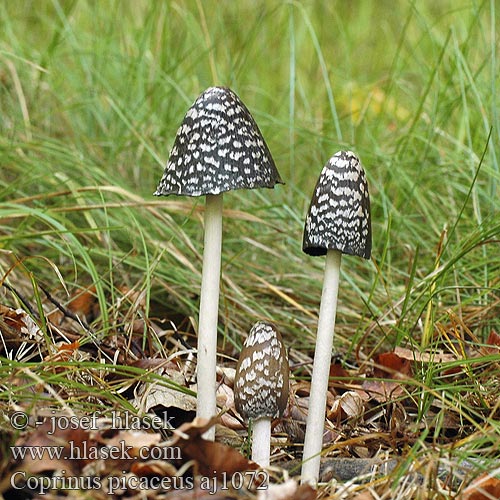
261	383
339	214
220	126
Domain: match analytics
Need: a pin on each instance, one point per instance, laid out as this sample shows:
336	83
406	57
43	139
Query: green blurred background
92	93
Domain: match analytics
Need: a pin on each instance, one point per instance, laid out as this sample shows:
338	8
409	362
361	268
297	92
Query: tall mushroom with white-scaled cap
218	148
338	221
261	385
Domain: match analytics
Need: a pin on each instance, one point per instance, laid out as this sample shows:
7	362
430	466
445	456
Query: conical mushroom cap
218	148
339	214
261	382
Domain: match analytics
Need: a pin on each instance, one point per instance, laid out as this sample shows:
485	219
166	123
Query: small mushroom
261	385
218	148
338	222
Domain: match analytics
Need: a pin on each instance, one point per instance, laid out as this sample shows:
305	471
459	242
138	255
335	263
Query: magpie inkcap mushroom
339	215
338	221
218	148
261	385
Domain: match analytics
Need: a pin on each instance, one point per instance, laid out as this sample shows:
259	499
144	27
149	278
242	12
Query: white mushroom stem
209	311
261	441
321	369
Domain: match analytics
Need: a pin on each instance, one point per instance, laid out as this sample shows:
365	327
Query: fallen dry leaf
225	399
159	468
155	395
82	304
493	342
133	439
349	405
85	304
226	374
434	356
393	368
391	365
212	458
17	332
59	448
484	487
338	379
383	390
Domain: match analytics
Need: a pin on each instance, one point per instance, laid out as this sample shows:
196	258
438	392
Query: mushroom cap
339	214
218	148
261	383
